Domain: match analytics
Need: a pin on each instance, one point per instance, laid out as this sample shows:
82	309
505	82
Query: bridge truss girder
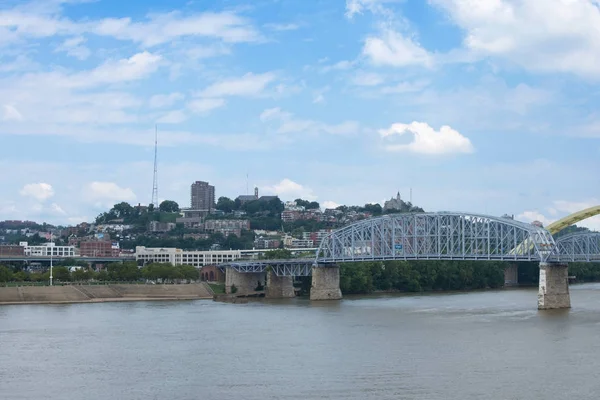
437	236
578	247
291	267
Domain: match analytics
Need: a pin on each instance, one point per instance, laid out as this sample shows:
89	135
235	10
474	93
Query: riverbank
102	293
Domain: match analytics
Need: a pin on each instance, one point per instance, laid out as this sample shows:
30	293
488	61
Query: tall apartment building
202	196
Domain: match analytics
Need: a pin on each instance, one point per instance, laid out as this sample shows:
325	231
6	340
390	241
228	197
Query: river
481	345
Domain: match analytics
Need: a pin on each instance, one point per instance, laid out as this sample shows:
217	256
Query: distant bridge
436	236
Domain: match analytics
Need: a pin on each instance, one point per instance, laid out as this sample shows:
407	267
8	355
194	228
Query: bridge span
425	236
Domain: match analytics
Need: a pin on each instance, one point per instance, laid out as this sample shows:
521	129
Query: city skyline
346	102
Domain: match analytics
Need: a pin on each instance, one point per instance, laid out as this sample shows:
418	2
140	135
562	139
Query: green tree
169	206
122	210
80	275
103	276
61	274
374	209
278	254
6	274
127	271
189	272
226	205
21	276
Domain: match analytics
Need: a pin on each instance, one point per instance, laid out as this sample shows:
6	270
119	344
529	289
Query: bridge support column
554	286
511	275
244	282
325	283
279	287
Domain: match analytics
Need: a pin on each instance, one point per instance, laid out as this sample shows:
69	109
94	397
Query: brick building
12	250
211	273
98	248
227	226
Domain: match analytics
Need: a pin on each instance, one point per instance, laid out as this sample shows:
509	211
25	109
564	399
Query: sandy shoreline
71	294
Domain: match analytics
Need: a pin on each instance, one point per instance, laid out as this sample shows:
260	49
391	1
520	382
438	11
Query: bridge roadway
428	236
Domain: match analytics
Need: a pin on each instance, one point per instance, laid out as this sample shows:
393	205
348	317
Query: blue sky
488	106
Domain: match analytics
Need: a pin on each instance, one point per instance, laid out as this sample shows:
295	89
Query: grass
217	288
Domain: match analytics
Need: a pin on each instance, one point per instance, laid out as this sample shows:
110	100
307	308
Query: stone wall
279	287
325	283
244	282
553	290
511	275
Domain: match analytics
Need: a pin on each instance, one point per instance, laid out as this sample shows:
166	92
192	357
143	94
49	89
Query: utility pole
51	252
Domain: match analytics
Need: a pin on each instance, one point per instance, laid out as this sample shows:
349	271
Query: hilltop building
202	196
394	203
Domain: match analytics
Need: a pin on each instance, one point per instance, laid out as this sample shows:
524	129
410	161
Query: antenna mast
155	179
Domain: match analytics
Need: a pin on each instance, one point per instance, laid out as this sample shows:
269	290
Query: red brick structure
12	250
97	248
211	273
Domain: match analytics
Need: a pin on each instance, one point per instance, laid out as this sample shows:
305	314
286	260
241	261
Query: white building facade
188	257
48	249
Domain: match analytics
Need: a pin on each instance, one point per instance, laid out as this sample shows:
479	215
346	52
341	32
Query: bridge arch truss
578	247
437	236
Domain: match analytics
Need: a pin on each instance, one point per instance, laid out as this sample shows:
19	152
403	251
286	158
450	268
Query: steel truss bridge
435	236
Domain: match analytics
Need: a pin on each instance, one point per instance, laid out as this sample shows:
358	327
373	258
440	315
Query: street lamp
51	251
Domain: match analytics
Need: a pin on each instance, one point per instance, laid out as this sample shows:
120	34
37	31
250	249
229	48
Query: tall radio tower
155	180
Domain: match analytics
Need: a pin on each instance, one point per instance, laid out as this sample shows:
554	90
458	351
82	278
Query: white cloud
201	52
274	113
338	66
38	191
426	140
163	28
248	85
282	27
319	98
367	79
55	208
158	28
172	117
405	87
288	189
165	100
106	193
354	7
391	48
74	48
136	67
329	204
561	209
549	35
10	113
289	124
532	215
206	105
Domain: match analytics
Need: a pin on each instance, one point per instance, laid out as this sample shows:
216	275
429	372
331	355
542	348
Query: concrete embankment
102	293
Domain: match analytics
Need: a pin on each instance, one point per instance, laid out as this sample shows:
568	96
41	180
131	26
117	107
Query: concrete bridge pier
554	286
279	287
325	283
244	282
511	275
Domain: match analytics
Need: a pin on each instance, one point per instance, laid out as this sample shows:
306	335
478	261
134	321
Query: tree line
417	276
120	272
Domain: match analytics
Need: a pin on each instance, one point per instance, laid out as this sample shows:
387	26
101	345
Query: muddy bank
102	293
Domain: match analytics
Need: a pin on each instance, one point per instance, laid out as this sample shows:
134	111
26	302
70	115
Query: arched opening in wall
212	276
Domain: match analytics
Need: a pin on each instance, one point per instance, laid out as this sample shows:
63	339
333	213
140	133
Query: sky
484	106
